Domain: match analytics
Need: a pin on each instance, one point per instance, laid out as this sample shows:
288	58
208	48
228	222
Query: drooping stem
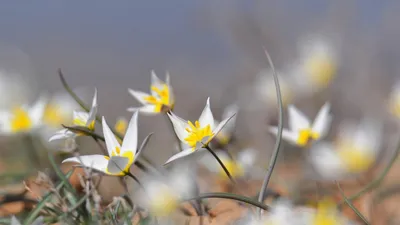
275	153
220	163
230	196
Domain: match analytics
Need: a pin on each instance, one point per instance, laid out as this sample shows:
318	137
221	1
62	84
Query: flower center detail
126	154
53	116
162	98
164	202
320	69
21	120
305	135
198	135
82	123
355	159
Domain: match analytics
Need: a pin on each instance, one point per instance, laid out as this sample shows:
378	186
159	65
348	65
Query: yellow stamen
356	160
305	135
162	98
223	138
197	134
20	121
321	69
326	214
165	202
82	123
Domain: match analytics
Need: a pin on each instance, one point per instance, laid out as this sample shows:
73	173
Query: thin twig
279	135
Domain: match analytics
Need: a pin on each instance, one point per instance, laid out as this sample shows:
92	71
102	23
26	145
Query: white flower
120	158
394	100
301	131
80	118
225	135
354	151
23	118
160	100
196	135
317	65
282	213
37	221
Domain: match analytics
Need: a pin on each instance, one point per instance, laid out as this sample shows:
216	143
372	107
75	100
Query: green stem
230	196
279	135
220	163
350	204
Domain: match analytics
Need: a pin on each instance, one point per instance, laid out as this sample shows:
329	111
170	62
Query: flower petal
221	125
81	116
117	164
62	134
179	126
230	110
206	116
287	135
368	135
110	139
247	157
181	154
15	221
297	120
97	162
156	82
130	140
323	120
139	95
326	162
5	125
93	110
37	110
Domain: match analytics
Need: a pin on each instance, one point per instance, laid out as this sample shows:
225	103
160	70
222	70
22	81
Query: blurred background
210	48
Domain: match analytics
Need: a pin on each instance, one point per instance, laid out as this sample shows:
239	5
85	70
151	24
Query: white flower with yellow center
198	134
281	213
317	65
225	135
59	110
394	100
301	131
81	119
120	158
355	150
23	118
160	100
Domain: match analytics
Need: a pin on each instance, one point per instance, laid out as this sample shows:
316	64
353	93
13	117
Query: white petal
156	82
140	96
297	120
247	157
111	140
323	120
229	111
117	164
93	110
97	162
368	135
130	140
326	162
37	110
180	155
221	125
287	135
5	118
81	116
206	116
179	126
15	221
61	134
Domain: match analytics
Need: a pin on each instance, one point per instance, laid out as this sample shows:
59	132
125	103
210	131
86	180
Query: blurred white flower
282	213
242	166
160	100
23	118
265	89
80	118
394	100
354	151
197	135
301	131
37	221
120	158
121	125
316	66
225	135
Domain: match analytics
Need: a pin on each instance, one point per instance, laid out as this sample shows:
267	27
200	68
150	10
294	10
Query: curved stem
279	135
220	163
230	196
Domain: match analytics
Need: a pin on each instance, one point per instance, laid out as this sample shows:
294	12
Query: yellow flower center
305	135
164	203
198	134
126	154
234	169
82	123
321	69
326	214
54	116
356	160
121	126
223	138
20	120
161	100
